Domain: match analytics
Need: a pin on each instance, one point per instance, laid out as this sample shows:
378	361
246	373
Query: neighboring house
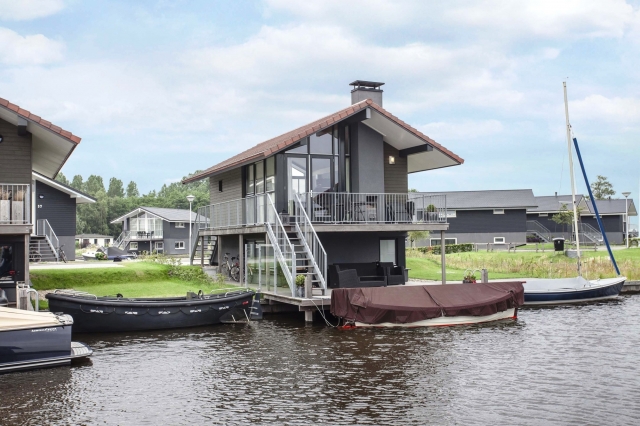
343	179
155	229
497	217
84	240
32	152
541	225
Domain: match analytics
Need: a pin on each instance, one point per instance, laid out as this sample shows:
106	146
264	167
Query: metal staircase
539	230
591	234
43	246
205	247
122	240
311	255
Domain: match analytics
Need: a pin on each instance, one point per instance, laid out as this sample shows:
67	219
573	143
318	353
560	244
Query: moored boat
116	313
427	305
30	340
570	290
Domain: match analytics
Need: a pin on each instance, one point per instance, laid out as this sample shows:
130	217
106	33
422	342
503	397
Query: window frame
504	240
498	211
431	240
220	185
176	245
131	245
543	214
180	225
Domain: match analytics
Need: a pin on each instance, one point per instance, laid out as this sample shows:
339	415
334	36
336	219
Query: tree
565	216
77	183
94	185
602	188
116	188
417	235
132	190
62	179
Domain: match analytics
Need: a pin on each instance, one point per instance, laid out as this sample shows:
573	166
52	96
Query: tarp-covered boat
427	305
31	340
116	313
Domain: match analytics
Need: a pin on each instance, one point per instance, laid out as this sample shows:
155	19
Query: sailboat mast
573	181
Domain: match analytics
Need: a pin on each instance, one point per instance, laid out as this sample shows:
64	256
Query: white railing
282	247
122	239
143	235
44	229
534	226
228	214
15	204
356	208
312	245
591	233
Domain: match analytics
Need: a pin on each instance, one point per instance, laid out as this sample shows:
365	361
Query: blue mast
595	207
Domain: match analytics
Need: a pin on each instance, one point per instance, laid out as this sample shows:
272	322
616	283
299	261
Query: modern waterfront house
156	229
496	217
32	205
613	212
84	240
332	191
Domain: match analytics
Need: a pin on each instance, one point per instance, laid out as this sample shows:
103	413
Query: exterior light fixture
1	138
392	159
190	199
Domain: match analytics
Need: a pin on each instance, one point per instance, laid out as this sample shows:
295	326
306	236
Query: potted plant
300	279
432	215
18	206
4	206
469	279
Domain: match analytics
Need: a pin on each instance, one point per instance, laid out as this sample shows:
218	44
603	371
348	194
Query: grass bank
133	279
525	264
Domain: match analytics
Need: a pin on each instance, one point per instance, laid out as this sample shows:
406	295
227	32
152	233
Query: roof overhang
422	153
79	196
51	146
133	213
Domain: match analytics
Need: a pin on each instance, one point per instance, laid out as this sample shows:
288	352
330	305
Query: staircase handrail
588	229
122	239
44	229
284	252
316	250
535	226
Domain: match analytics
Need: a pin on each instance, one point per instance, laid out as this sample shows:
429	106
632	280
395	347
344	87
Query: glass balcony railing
15	204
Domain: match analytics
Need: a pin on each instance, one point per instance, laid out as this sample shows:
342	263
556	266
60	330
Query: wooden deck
333	227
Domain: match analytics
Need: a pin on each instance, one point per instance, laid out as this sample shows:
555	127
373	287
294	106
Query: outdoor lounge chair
393	273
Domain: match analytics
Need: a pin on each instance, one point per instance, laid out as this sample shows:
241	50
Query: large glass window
302	149
388	251
259	177
297	177
271	172
320	174
250	183
321	144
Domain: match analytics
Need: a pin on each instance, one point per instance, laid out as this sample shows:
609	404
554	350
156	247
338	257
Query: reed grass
538	265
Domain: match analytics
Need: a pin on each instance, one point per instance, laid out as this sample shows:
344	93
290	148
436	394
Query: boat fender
119	296
200	294
347	326
3	298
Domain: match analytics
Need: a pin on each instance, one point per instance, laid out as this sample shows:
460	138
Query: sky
159	89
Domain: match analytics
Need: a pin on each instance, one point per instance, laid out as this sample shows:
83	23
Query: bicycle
231	269
61	254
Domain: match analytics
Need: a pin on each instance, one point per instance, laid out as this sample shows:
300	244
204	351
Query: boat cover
407	304
114	251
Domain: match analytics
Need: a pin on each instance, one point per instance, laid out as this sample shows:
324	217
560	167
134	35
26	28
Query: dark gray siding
395	175
480	221
613	223
345	247
170	231
548	223
367	156
231	186
58	208
15	155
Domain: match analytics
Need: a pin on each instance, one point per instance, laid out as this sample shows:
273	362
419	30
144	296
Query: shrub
448	249
101	256
300	280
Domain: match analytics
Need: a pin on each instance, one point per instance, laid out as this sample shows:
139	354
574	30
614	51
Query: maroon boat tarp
407	304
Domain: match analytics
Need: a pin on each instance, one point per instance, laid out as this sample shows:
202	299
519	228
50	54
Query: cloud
16	50
22	10
615	110
464	130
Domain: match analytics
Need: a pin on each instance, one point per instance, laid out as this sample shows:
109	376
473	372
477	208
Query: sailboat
578	289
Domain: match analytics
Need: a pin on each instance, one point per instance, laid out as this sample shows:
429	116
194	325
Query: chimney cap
366	84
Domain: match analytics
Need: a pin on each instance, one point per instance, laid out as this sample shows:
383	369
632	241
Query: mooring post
308	316
241	258
202	253
442	257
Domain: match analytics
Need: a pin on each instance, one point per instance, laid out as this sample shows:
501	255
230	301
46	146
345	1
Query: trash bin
558	244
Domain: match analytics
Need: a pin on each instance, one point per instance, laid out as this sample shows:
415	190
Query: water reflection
562	365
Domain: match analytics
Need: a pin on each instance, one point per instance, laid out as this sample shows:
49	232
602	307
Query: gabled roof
492	199
553	203
51	145
271	146
81	197
613	207
170	215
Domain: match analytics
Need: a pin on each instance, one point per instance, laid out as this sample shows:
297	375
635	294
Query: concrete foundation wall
480	237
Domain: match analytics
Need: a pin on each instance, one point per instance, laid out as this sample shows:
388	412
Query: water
566	365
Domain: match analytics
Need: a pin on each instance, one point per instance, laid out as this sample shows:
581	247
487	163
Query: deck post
27	278
308	287
218	244
202	253
241	258
442	258
308	316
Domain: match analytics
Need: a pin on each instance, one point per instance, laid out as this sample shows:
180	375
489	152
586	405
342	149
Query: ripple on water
566	365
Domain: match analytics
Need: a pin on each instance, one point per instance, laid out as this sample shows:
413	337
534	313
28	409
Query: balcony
332	208
15	204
